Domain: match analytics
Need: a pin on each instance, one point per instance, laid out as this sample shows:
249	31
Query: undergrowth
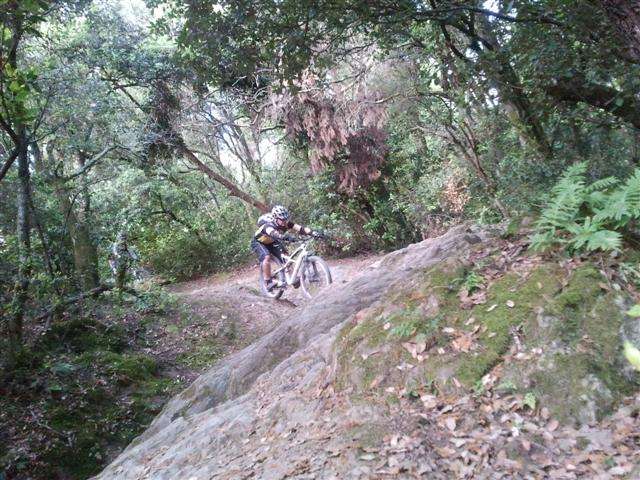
82	391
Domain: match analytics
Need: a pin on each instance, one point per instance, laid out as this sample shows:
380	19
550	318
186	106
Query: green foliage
472	282
588	217
90	388
530	400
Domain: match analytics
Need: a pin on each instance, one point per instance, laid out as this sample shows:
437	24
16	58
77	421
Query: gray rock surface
261	412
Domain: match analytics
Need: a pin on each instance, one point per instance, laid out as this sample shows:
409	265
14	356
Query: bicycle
300	268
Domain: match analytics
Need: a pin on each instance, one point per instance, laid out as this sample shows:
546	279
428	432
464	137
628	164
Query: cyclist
267	241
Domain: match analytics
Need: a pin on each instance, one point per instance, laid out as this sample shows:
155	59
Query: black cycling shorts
262	250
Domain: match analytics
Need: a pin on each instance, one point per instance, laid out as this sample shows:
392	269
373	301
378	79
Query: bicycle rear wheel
275	292
314	276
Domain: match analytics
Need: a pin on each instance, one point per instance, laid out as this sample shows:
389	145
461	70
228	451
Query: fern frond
615	207
568	195
602	184
604	240
632	192
542	241
597	200
591	235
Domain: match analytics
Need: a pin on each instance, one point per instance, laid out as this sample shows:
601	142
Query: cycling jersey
269	231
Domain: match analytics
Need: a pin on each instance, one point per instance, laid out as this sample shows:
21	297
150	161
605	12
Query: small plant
530	400
629	273
416	324
506	386
631	353
479	388
405	329
588	217
472	282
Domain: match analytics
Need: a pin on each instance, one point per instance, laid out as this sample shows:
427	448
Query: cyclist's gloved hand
318	234
288	238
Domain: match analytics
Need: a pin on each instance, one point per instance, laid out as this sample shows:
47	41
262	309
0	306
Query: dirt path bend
230	309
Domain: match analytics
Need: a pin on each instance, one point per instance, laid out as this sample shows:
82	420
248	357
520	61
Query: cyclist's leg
277	249
266	267
262	253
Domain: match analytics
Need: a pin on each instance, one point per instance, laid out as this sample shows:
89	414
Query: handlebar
304	238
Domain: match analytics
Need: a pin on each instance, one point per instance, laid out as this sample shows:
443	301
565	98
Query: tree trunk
24	249
625	17
85	254
84	249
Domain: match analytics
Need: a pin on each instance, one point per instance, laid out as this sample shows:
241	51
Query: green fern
568	195
588	217
602	184
591	235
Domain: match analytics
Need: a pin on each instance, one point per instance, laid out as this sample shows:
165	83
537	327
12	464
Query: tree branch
8	163
89	164
621	104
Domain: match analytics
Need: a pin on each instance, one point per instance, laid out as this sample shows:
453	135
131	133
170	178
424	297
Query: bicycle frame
296	259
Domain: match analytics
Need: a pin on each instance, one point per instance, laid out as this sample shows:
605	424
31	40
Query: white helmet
280	213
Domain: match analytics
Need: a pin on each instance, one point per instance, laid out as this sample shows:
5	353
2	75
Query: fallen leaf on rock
411	348
445	452
368	354
404	366
376	381
458	442
553	424
510	303
450	423
462	343
492	307
429	401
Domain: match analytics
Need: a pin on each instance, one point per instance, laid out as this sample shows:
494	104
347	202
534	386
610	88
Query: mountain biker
272	231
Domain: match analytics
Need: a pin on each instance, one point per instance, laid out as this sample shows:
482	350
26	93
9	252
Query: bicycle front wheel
314	276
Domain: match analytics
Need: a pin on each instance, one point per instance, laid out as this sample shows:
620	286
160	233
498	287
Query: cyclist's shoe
272	284
296	284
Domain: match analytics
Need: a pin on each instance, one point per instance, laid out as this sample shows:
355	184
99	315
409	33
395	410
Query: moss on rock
573	321
497	317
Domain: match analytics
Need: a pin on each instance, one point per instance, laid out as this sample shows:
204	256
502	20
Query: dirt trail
230	309
246	279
